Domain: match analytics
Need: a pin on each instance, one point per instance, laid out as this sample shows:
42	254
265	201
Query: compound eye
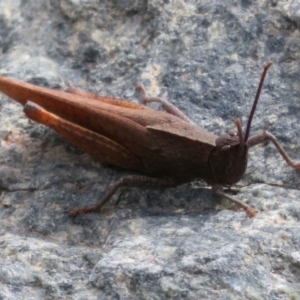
232	133
225	148
222	139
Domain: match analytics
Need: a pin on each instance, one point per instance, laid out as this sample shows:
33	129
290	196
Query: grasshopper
165	147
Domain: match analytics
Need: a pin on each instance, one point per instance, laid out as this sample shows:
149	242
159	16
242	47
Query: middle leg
166	105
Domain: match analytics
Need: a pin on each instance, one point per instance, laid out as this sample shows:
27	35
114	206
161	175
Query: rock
206	57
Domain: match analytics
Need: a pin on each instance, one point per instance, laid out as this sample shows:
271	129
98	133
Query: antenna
262	79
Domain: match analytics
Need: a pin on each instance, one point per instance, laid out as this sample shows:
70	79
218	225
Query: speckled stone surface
181	243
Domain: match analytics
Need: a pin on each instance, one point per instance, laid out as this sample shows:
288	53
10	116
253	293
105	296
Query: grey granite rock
179	243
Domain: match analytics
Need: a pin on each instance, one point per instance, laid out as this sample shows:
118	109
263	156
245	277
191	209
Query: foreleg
267	136
249	210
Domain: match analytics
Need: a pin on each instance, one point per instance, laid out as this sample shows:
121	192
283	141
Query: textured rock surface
180	243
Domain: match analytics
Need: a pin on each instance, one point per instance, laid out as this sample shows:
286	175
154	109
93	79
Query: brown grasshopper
166	146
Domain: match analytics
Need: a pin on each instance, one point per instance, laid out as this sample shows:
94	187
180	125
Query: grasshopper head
228	161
